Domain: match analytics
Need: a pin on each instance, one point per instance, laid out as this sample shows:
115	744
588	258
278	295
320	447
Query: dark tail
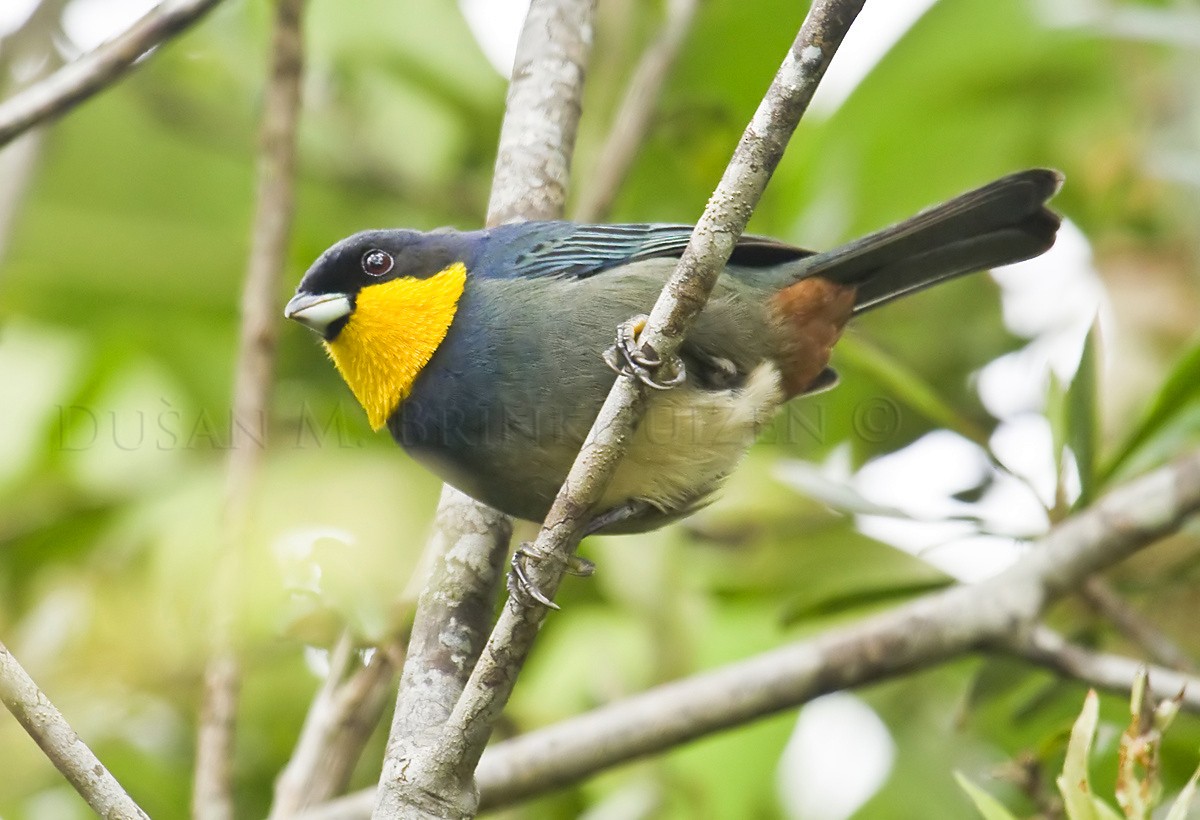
1003	222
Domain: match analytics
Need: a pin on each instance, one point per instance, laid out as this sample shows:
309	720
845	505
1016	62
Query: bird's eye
376	262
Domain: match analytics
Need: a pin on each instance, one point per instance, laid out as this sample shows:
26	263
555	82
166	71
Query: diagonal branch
31	43
70	755
96	70
316	734
1101	670
1157	645
533	162
343	715
756	157
468	547
212	795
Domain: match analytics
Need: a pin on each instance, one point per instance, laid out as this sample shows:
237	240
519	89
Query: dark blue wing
571	250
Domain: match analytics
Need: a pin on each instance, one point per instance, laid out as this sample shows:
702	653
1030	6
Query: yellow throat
393	332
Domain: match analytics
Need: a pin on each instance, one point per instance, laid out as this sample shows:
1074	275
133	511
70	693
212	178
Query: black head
325	297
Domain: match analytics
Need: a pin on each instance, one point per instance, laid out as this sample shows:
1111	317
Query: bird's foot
642	362
616	515
521	585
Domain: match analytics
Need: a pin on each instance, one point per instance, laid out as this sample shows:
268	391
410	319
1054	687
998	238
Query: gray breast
504	404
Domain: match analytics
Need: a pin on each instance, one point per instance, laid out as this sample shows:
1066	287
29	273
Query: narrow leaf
997	677
1183	803
1103	811
988	806
1073	782
1056	414
1081	421
907	386
849	601
1137	769
1180	389
814	482
840	495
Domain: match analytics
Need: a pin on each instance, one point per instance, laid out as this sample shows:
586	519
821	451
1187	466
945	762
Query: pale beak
318	310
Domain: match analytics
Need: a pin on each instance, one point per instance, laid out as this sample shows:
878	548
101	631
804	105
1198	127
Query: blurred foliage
1139	789
119	289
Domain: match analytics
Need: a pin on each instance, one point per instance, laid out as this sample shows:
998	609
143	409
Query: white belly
690	439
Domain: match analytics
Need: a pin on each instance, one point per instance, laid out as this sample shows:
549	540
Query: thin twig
360	705
212	795
70	755
633	118
96	70
315	734
1102	670
212	784
758	153
342	717
1001	613
18	164
533	162
33	43
354	806
347	709
1158	646
33	40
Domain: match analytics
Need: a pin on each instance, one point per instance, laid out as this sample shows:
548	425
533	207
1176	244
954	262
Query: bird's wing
574	251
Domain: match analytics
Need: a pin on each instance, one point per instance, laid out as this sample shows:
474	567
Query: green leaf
989	807
864	597
1073	782
1179	809
1081	416
995	679
910	388
1179	390
1056	414
815	483
1074	785
1103	810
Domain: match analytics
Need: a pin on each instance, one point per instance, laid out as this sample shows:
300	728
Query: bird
488	353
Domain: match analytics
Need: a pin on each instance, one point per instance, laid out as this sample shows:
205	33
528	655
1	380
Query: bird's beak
318	310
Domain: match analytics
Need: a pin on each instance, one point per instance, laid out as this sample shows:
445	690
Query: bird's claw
521	586
642	362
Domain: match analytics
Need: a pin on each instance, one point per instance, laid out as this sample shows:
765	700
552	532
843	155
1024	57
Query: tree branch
927	631
468	548
77	81
541	116
1158	646
32	43
455	613
212	795
1101	670
70	755
317	732
533	162
1000	614
632	121
758	153
354	806
343	714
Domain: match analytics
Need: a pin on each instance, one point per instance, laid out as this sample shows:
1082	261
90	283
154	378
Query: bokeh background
123	242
